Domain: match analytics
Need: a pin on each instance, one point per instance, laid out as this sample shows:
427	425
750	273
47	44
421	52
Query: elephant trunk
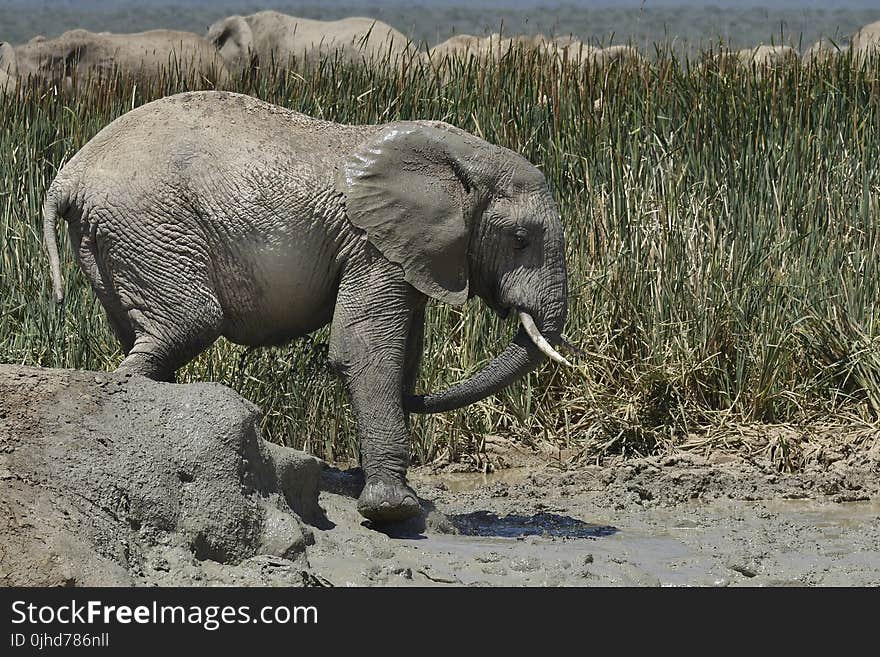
527	350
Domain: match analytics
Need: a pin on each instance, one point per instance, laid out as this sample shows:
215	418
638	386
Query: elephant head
464	218
234	41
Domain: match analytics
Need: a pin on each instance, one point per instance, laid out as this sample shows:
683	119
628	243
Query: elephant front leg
415	345
368	348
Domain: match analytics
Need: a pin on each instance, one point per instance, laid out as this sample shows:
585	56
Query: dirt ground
682	520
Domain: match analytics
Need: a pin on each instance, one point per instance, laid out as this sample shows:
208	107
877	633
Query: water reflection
486	523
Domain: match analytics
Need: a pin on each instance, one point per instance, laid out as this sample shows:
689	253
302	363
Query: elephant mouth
531	329
502	311
499	307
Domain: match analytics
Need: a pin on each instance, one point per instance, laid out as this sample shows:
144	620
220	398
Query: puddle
845	515
486	523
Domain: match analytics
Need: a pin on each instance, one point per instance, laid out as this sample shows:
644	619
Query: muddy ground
682	520
111	479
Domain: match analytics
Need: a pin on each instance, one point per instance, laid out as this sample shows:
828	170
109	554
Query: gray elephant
866	44
762	56
463	45
8	68
211	213
496	46
250	41
822	52
621	54
484	49
103	54
765	55
576	52
761	59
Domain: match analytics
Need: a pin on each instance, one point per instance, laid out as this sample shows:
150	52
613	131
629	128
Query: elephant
214	213
866	44
765	56
8	68
586	55
461	45
494	46
614	55
482	50
761	58
245	42
104	54
564	48
823	51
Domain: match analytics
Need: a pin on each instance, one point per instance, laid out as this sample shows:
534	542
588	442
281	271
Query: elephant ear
233	39
407	188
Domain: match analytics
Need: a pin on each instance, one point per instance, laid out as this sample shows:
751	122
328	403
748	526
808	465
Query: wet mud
681	521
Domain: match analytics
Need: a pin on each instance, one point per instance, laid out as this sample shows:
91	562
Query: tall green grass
722	243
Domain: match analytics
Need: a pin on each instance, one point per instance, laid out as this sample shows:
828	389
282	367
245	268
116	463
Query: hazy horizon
687	24
512	4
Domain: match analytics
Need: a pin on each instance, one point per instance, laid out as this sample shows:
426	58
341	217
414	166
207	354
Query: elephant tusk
539	340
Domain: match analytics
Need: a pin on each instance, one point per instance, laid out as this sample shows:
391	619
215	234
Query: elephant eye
520	238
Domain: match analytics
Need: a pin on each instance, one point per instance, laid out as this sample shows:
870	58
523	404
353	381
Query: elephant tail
52	209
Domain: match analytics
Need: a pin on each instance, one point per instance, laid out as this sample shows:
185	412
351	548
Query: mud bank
109	479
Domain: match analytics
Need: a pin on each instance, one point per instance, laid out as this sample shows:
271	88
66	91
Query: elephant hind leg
158	296
149	362
86	251
163	345
173	314
121	328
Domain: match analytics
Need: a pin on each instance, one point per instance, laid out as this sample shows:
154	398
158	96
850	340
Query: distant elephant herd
239	43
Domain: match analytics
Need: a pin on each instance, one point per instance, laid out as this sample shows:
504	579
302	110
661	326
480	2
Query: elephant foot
388	501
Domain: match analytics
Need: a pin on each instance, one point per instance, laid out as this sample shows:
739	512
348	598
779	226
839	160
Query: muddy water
457	482
516	529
